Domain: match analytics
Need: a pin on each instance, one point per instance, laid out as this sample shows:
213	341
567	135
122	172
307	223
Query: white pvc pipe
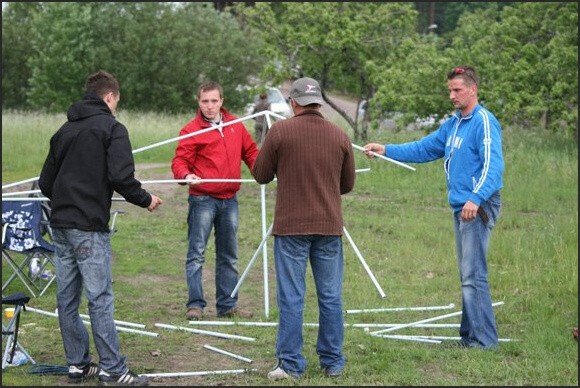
449	306
27	199
441	337
42	312
206	332
306	324
232	323
122	323
387	159
198	181
227	353
203	373
26	192
402	337
19	183
201	180
427	325
42	199
426	320
241	280
266	112
265	234
362	260
126	329
55	315
229	323
204	131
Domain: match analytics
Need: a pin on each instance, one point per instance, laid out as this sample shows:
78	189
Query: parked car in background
278	103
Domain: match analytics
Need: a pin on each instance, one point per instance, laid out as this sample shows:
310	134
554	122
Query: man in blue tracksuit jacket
470	143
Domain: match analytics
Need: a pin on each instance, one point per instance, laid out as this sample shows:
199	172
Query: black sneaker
127	378
77	374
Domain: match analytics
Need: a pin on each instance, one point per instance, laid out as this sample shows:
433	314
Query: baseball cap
306	91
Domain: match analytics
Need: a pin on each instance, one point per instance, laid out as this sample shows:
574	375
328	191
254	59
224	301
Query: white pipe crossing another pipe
425	320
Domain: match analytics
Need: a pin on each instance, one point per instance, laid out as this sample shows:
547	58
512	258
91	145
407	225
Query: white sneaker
278	374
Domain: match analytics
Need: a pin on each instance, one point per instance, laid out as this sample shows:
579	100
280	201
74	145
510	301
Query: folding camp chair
10	331
24	249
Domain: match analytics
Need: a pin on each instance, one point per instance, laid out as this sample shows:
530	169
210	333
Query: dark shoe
194	314
77	374
236	312
127	378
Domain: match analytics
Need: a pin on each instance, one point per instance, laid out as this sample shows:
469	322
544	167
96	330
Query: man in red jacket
214	154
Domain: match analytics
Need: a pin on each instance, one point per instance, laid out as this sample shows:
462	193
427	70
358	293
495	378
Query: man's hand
155	201
192	177
469	211
371	148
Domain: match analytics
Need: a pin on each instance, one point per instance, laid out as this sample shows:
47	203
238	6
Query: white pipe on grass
402	337
120	323
201	373
427	325
449	306
227	353
426	320
129	330
441	337
206	332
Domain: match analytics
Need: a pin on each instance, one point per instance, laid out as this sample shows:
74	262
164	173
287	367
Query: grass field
401	225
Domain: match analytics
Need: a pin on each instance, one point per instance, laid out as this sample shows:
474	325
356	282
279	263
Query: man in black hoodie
90	156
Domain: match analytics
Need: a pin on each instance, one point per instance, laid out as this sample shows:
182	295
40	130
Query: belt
483	215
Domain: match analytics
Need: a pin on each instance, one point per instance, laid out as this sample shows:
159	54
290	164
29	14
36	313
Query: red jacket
214	155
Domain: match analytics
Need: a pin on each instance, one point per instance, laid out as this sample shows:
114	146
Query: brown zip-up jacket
313	161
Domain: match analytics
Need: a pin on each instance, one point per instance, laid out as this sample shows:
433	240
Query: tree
16	36
332	42
528	58
159	51
61	51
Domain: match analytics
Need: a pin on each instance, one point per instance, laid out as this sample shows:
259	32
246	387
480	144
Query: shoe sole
115	383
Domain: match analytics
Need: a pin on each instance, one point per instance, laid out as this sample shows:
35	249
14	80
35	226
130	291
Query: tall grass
401	225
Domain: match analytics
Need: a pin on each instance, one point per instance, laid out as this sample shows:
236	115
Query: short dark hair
101	83
467	73
209	85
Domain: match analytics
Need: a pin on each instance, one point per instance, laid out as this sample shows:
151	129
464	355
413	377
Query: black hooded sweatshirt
90	156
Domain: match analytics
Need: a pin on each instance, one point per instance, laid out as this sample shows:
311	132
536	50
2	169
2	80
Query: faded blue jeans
291	255
478	327
204	213
84	259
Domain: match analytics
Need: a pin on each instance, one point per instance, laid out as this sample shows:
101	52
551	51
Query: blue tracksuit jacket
472	150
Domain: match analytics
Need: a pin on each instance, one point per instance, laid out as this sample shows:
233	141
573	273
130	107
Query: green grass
400	222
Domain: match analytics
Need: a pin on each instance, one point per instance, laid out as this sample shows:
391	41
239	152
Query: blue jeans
478	327
291	255
204	213
84	258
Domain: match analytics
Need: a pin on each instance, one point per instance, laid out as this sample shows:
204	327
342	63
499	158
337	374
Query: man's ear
108	97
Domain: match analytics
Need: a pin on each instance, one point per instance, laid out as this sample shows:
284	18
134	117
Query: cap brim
307	100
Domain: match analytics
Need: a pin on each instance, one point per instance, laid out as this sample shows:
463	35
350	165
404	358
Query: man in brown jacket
313	161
